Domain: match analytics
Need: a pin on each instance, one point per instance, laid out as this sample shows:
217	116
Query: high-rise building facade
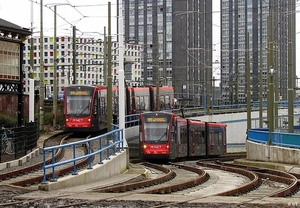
242	17
176	40
90	62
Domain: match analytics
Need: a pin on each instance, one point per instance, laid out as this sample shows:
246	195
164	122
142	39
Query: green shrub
60	119
48	119
8	121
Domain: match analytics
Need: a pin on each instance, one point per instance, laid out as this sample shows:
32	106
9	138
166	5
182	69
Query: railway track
188	182
32	174
272	183
153	186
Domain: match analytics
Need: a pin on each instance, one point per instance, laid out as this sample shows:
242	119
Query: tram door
173	146
181	140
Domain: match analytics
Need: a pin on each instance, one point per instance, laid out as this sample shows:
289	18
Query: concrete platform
290	168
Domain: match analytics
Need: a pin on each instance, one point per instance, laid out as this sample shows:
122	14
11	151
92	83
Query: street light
272	72
271	104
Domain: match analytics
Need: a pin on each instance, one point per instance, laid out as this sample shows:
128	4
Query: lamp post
271	104
55	93
121	75
290	71
42	86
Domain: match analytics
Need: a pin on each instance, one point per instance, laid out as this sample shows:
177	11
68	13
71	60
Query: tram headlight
167	146
67	120
144	146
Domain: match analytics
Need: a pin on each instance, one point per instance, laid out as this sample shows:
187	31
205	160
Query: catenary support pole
55	75
290	71
121	76
42	85
109	77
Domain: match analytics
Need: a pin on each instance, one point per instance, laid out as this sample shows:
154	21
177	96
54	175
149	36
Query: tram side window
147	103
212	138
180	135
162	102
102	106
192	132
99	106
197	136
217	138
95	107
131	102
220	139
202	137
115	104
183	135
140	103
137	103
167	99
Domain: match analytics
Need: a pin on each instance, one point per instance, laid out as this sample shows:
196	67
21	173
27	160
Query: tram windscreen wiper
84	110
165	134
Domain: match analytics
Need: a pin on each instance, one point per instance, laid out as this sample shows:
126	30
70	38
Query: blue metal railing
107	142
278	138
258	135
286	139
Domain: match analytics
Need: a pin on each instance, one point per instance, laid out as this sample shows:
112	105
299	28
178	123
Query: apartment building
91	66
240	18
176	40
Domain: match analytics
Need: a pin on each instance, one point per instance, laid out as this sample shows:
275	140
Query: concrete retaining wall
267	153
116	165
